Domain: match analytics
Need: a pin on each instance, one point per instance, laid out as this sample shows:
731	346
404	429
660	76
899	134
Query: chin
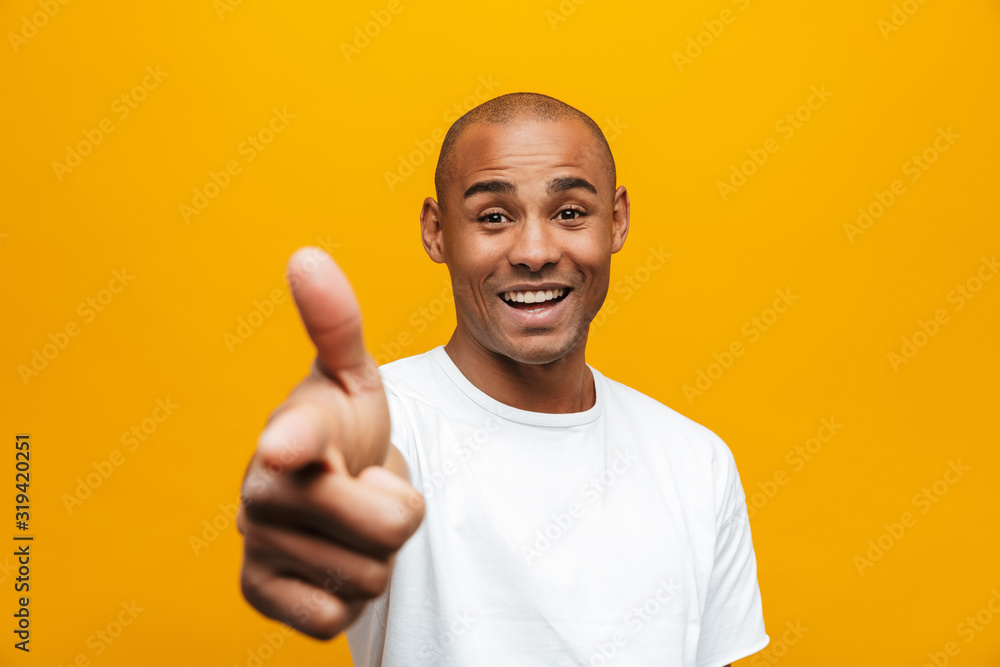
537	349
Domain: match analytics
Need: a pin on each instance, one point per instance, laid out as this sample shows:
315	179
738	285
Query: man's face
530	215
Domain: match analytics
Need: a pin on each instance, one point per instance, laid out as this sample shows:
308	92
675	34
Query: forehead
526	148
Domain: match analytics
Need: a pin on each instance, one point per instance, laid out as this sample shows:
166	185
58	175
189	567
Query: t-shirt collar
516	414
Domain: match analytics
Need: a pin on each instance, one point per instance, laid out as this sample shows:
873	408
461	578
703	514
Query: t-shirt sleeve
732	624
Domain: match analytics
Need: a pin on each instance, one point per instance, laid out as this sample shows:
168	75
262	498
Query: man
498	500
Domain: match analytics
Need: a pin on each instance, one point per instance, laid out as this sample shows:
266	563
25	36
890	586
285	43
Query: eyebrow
505	187
554	186
569	183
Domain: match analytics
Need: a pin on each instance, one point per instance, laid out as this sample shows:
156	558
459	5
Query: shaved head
511	109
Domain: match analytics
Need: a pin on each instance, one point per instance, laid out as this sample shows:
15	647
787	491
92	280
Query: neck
561	386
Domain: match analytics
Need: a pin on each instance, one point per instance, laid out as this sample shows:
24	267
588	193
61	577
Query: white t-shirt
614	536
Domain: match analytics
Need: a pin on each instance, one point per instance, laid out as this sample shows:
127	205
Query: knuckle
255	547
373	579
328	620
250	586
405	517
241	520
326	632
398	526
256	486
415	502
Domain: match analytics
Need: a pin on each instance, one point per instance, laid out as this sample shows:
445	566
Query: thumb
330	312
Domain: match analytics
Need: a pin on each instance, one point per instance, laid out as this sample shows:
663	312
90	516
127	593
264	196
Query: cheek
470	296
598	286
475	253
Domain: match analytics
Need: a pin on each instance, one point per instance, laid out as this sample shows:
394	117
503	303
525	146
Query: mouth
535	301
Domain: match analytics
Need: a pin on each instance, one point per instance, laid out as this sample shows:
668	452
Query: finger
296	435
332	317
320	424
335	569
374	518
297	603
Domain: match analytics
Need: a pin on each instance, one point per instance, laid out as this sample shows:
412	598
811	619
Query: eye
493	218
571	213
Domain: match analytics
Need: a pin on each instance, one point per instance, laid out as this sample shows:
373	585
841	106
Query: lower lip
545	315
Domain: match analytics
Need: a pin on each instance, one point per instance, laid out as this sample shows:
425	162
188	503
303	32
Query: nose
534	244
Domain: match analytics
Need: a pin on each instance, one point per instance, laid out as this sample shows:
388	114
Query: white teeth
533	297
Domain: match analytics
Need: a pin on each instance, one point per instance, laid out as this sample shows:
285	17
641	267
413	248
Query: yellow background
676	131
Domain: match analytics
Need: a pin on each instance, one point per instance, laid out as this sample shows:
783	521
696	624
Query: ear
431	231
619	219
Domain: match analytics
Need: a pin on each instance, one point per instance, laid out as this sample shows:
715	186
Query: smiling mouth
534	301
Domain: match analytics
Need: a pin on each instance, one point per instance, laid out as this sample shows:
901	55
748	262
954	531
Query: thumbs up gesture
326	501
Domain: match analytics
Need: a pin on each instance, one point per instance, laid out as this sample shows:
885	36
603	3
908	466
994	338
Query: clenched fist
326	502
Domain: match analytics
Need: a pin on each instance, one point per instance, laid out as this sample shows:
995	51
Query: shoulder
635	405
685	443
407	378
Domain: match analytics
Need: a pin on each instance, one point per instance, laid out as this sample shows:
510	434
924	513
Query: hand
326	502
